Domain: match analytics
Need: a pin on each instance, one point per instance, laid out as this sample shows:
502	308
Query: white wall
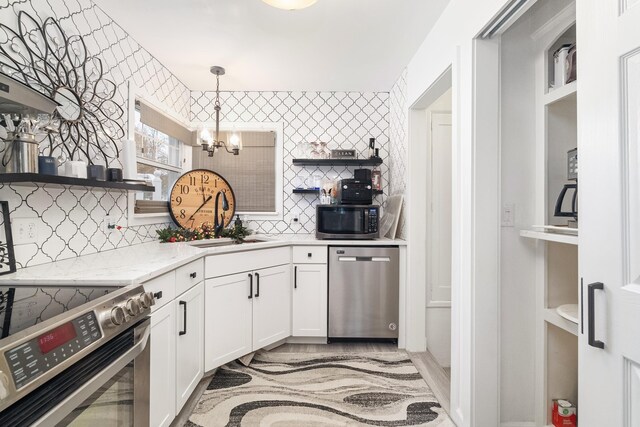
475	275
517	269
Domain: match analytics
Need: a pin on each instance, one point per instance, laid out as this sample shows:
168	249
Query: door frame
475	315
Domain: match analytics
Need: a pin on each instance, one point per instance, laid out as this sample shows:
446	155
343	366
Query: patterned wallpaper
343	119
399	143
69	220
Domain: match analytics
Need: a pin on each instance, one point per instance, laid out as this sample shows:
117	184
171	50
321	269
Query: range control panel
41	354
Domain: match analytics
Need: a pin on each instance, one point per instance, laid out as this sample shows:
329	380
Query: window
159	156
255	174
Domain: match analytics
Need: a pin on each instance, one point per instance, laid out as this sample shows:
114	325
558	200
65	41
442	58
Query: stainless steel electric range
74	356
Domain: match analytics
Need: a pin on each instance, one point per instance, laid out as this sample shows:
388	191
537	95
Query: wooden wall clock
195	195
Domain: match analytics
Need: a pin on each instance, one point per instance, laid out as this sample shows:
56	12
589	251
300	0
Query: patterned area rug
311	389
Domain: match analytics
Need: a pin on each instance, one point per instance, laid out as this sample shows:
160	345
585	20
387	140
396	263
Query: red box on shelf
564	414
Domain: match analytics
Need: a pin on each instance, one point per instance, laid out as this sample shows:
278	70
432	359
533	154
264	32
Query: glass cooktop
26	306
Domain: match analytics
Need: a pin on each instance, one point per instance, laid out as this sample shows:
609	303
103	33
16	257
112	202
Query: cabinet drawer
189	275
225	264
165	284
310	254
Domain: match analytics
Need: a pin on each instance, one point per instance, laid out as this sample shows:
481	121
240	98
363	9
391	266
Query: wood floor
438	379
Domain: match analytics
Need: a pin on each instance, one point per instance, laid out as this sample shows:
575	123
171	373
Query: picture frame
7	255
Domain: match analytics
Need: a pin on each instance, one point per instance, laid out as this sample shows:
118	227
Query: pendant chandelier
211	144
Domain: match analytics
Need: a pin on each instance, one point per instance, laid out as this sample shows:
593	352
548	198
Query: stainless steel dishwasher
363	292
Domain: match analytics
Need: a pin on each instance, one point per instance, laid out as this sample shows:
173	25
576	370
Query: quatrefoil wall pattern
343	119
69	218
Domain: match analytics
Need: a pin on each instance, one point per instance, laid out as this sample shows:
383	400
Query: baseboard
518	424
306	340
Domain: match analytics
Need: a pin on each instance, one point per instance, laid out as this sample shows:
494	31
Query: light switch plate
508	214
24	230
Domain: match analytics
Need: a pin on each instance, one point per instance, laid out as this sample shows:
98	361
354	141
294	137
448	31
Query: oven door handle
64	408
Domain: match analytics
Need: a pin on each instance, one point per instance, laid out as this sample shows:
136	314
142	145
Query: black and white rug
311	389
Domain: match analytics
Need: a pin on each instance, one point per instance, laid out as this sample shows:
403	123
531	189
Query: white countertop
139	263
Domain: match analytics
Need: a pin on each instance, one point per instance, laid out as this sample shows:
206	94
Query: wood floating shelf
338	162
550	237
315	191
62	181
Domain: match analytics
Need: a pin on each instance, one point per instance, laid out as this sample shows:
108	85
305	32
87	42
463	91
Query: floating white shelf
563	92
552	316
550	237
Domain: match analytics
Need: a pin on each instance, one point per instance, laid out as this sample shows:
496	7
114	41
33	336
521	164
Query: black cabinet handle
295	277
157	295
250	286
184	326
309	255
593	342
257	295
193	275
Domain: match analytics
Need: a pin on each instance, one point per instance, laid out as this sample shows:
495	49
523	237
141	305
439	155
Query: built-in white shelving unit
557	282
566	92
550	237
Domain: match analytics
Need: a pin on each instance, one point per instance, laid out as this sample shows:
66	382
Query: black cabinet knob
193	275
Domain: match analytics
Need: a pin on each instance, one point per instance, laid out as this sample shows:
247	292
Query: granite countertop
139	263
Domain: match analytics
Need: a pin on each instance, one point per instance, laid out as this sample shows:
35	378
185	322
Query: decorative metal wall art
7	257
43	57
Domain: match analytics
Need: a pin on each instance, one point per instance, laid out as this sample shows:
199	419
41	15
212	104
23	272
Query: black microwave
347	221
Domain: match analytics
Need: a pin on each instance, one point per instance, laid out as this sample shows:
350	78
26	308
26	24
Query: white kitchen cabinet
271	305
162	374
309	300
228	319
189	343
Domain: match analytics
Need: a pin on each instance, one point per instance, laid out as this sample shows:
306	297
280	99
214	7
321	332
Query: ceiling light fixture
290	4
209	143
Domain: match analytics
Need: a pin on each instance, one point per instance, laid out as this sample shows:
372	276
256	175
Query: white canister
559	61
75	169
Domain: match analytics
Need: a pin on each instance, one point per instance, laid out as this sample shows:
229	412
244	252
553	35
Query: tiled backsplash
399	144
70	220
343	119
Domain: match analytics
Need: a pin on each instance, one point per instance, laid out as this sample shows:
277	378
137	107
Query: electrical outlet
508	214
295	216
24	230
108	224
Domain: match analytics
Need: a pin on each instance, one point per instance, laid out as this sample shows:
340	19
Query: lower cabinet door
309	300
162	369
189	343
228	319
271	305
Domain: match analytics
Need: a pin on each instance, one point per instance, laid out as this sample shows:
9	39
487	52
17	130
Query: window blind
155	119
251	174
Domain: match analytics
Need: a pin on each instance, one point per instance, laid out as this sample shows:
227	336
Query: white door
438	315
228	319
271	305
189	343
309	300
609	211
162	367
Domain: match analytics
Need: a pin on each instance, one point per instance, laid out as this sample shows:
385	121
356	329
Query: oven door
113	390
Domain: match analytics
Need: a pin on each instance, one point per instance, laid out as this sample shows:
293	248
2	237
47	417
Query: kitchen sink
215	243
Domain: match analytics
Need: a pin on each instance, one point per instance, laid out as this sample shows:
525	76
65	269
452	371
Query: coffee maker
569	191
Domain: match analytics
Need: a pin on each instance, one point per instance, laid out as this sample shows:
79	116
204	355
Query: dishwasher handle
364	259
